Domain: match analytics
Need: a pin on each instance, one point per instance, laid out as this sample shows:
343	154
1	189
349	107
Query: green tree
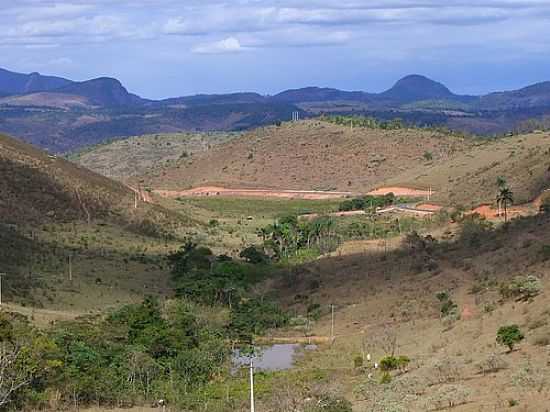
509	336
504	198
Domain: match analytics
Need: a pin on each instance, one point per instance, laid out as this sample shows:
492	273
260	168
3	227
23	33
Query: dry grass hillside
37	187
469	178
388	302
51	209
140	155
308	155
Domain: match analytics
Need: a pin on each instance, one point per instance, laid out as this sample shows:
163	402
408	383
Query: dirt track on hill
287	194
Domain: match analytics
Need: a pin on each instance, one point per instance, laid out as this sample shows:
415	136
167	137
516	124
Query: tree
254	255
509	336
505	197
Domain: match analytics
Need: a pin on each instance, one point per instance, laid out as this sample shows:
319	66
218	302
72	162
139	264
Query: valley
271	236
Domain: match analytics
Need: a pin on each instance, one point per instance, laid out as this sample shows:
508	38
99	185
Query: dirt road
288	194
263	193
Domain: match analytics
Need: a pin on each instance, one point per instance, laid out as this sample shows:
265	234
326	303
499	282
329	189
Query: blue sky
162	48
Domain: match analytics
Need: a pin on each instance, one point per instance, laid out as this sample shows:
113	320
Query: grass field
235	208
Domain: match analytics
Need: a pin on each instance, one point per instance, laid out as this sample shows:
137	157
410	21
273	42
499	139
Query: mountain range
60	114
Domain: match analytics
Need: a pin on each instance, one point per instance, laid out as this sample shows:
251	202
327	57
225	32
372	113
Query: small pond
271	358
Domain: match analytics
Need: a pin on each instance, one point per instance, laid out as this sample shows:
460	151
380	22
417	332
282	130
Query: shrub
390	363
314	311
522	288
358	362
448	307
254	255
332	404
492	364
509	336
474	229
442	296
428	156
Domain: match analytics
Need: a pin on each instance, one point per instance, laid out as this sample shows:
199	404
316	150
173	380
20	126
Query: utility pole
1	275
332	324
251	384
70	261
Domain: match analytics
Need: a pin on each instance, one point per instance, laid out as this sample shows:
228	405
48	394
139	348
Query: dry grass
376	297
469	178
139	155
308	155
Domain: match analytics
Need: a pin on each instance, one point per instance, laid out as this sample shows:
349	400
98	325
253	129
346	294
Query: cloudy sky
161	48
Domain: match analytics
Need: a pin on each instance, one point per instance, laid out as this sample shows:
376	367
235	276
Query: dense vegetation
369	202
140	352
143	352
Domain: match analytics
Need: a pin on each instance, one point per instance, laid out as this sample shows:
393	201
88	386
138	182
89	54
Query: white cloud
229	45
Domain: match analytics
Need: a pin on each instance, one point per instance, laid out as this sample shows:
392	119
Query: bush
509	336
332	404
448	307
474	230
358	362
493	363
390	363
254	255
522	288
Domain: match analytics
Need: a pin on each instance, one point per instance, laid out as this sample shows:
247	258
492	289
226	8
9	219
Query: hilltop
308	155
19	83
469	178
139	155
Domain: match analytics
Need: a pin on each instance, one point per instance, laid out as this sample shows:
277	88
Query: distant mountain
318	94
537	95
103	91
206	99
60	115
417	88
17	83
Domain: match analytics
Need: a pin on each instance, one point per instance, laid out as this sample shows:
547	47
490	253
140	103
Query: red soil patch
488	212
401	191
467	313
283	194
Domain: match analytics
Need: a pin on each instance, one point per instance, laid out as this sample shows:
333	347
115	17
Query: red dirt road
287	194
265	193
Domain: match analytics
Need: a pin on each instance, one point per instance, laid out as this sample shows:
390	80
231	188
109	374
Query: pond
271	358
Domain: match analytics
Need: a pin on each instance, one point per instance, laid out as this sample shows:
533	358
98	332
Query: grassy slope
308	155
44	212
138	155
470	178
379	296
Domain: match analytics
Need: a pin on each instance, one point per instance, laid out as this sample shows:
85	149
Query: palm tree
505	197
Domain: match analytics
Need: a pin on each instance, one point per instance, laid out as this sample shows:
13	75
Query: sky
166	48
